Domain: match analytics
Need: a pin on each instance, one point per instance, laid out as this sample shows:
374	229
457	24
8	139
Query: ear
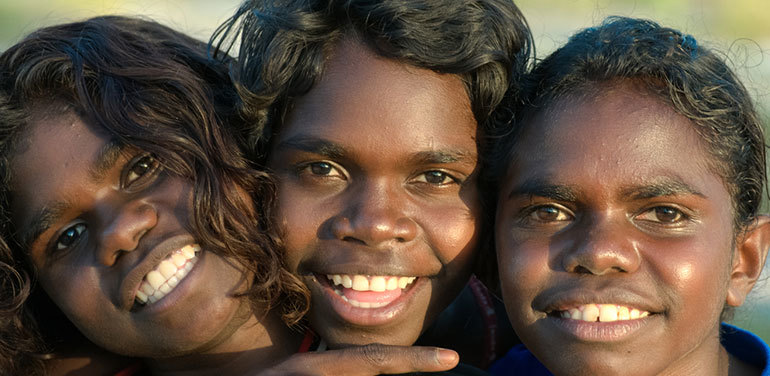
749	259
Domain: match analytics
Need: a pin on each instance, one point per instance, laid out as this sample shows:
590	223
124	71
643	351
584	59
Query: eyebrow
105	160
540	188
52	212
664	186
333	150
314	145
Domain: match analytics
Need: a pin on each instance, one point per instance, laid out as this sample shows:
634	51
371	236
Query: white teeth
155	279
590	313
167	269
347	282
167	275
608	312
392	283
603	313
360	282
378	284
178	259
623	313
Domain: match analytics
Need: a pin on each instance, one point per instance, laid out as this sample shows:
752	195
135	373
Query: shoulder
519	361
746	346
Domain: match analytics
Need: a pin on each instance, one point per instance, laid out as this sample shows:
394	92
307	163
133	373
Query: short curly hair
694	81
284	46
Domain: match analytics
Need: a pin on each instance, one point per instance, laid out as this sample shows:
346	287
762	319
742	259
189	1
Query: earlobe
749	260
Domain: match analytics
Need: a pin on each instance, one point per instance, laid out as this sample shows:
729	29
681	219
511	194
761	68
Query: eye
663	214
139	167
436	177
323	169
549	213
70	236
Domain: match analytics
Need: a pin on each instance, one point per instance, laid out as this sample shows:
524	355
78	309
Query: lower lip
171	299
600	331
369	316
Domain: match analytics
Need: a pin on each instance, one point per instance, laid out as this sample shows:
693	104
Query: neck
709	358
255	345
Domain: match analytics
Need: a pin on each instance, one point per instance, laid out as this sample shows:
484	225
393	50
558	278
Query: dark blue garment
747	347
740	343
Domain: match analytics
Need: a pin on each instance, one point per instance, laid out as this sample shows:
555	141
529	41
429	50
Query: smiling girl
628	220
126	203
374	114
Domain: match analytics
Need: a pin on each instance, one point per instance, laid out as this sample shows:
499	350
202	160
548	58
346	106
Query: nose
604	247
124	229
375	215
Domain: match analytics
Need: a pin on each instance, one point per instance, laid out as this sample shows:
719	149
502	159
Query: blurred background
740	29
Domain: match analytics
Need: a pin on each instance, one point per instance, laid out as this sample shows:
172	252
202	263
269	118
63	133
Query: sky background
739	29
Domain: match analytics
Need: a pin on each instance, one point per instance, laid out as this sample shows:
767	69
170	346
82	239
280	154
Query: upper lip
150	261
347	259
561	300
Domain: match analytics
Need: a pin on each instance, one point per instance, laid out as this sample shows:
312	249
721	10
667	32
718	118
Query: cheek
452	230
76	292
691	266
299	219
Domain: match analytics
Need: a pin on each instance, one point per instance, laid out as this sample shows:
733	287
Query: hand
373	359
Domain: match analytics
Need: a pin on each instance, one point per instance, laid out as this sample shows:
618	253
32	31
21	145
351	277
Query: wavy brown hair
154	89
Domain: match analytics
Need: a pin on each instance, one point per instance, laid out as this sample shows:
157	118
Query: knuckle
375	354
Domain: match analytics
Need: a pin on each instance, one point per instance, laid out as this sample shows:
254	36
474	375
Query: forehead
370	102
623	133
57	153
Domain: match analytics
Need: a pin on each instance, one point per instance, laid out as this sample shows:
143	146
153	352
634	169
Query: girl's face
378	196
615	239
106	227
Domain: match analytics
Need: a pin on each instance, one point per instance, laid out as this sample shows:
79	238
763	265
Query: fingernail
447	357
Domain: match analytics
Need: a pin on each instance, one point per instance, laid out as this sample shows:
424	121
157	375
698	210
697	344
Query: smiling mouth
601	313
167	275
364	291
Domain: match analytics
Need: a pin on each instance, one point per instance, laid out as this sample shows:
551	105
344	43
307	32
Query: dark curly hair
694	81
154	89
284	45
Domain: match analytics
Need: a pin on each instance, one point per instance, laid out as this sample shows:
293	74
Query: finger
384	359
373	359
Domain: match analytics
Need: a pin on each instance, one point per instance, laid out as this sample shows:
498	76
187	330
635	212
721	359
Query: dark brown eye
549	213
139	168
70	236
321	168
436	177
663	215
667	214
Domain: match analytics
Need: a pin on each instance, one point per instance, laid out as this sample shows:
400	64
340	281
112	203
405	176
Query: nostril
582	270
353	240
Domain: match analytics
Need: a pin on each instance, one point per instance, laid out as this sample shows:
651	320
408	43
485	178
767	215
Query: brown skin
114	227
613	199
377	176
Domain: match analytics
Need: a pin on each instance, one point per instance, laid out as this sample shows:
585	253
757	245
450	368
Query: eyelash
328	167
529	213
444	176
149	165
680	215
77	235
